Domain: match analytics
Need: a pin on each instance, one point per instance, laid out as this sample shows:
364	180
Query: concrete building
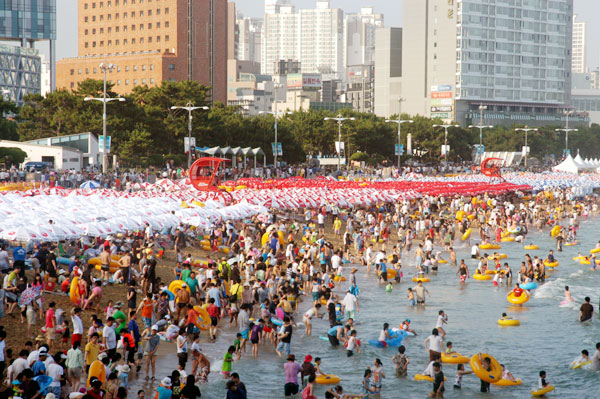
27	22
322	40
45	77
280	34
587	103
456	60
85	143
579	63
388	71
233	34
20	72
360	88
238	76
150	42
359	36
60	158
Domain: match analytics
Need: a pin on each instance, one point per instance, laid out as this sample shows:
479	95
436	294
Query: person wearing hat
291	376
164	390
307	369
95	391
39	366
153	342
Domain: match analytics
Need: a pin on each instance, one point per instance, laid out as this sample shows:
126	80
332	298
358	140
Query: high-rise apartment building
321	40
579	46
280	34
249	38
150	41
359	36
26	21
511	57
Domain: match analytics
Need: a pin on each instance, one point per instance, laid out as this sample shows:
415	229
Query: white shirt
77	325
349	302
320	218
19	365
474	250
440	321
435	343
181	344
335	261
33	357
351	343
55	371
109	334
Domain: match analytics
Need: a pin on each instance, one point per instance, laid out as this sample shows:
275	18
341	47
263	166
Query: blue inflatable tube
395	341
324	338
276	321
529	286
64	261
170	295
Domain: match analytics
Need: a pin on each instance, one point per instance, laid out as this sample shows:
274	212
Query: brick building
148	40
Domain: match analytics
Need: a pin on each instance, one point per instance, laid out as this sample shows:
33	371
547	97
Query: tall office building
579	46
359	36
512	57
280	34
26	21
150	41
321	40
388	71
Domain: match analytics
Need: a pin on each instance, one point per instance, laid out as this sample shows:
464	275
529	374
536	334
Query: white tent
568	165
581	164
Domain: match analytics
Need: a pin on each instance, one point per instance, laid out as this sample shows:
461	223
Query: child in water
388	287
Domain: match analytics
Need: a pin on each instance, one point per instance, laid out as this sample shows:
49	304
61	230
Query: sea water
549	337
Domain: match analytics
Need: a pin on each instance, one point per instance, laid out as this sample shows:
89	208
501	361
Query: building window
72	72
109	43
93	5
149	13
133	14
158	39
144	67
141	40
101	43
171	67
166	10
119	82
135	82
150	25
94	31
102	17
133	41
158	11
93	44
117	16
149	39
152	81
110	29
141	26
117	42
87	71
72	85
93	18
133	28
85	32
143	81
126	82
110	3
135	67
141	13
158	25
166	24
152	67
85	6
109	17
79	71
101	30
124	42
118	68
124	28
95	71
85	19
125	15
166	38
101	4
126	68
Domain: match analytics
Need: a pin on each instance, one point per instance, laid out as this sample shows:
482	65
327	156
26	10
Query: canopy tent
568	165
235	152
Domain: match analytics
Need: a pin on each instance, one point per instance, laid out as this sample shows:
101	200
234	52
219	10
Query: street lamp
339	119
445	139
104	100
526	130
189	107
275	114
399	122
567	130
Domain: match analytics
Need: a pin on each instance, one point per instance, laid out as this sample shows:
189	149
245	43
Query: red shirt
50	318
212	310
518	291
192	316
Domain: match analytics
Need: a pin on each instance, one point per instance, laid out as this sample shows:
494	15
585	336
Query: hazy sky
66	46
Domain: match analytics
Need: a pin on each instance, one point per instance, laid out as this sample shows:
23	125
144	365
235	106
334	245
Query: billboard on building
304	81
294	81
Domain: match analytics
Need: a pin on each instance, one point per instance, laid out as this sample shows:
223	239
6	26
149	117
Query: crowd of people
293	267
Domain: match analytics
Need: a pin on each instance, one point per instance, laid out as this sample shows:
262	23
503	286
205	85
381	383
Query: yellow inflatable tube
508	383
203	320
482	277
531	247
551	264
339	278
454	358
595	250
442	261
424	377
507	239
509	322
492	376
543	391
327	379
467	234
176	284
96	370
421	279
489	246
74	291
517	300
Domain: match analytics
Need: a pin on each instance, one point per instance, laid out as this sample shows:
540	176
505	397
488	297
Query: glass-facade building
29	20
26	21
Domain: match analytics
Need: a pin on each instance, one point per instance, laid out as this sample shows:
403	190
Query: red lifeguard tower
203	173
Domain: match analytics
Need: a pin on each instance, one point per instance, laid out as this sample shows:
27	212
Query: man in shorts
153	341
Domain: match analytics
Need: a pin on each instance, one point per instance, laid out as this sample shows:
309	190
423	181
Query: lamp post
526	130
275	114
445	139
567	130
399	122
339	119
104	100
189	107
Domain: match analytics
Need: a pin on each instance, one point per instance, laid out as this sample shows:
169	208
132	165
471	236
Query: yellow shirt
92	350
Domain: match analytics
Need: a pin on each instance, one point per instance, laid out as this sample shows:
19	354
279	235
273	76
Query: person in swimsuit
463	271
420	291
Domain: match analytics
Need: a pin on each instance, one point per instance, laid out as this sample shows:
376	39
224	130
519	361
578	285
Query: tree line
145	131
